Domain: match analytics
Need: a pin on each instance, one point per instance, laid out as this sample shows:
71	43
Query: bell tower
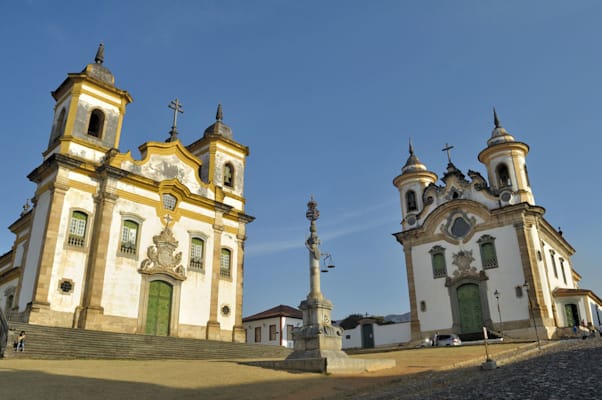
411	183
505	159
88	114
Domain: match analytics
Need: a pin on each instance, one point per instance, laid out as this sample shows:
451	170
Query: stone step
67	343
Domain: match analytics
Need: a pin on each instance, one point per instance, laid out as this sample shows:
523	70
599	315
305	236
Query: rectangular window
225	262
289	332
488	256
197	246
272	332
129	237
258	334
554	263
439	269
562	270
77	229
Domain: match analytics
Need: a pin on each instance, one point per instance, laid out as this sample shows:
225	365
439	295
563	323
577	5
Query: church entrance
158	312
469	304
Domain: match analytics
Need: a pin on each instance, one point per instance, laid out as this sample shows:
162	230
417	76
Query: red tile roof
278	311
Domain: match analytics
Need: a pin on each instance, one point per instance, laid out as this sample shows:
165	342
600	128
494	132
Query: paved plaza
562	370
569	370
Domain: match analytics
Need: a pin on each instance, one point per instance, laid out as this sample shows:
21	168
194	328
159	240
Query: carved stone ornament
462	260
161	258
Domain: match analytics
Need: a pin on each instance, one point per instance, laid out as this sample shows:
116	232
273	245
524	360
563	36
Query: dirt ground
215	380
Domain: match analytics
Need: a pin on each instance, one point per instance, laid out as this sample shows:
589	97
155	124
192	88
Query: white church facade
152	245
479	252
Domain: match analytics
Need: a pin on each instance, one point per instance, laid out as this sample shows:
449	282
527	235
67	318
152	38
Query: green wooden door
158	311
367	336
469	303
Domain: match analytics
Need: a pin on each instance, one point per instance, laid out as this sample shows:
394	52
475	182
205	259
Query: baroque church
479	252
151	246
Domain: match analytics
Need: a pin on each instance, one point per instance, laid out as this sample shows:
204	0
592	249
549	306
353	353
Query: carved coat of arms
161	257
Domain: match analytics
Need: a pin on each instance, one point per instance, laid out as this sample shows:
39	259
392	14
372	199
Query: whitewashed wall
384	335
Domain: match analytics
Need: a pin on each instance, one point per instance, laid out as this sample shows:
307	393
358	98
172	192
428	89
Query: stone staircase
44	342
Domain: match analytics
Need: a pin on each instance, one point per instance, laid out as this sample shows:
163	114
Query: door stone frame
479	279
175	302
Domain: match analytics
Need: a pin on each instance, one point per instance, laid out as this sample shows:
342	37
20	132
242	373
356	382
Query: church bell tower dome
505	159
414	179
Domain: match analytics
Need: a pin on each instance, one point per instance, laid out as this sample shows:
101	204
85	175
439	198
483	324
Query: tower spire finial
219	116
411	147
496	120
100	54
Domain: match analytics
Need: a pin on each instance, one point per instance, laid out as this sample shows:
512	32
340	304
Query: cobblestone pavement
569	370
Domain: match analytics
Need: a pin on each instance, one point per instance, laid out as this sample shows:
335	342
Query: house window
66	286
562	270
228	175
77	229
438	261
169	202
552	254
519	291
258	334
97	119
411	201
225	263
197	246
272	332
460	227
488	254
289	332
503	176
129	237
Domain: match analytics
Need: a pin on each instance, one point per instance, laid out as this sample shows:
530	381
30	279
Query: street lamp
499	312
532	313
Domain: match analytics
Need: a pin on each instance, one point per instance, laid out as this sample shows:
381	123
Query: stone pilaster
40	303
91	310
238	331
415	327
213	327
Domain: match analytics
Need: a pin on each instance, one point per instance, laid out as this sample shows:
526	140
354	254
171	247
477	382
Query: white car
441	340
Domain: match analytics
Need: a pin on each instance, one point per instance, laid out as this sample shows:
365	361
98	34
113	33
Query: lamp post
532	313
499	312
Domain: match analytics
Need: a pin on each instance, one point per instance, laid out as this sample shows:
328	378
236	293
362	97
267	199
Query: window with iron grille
129	237
197	246
225	263
438	262
488	253
77	229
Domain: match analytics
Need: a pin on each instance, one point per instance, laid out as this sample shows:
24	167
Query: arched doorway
158	312
469	305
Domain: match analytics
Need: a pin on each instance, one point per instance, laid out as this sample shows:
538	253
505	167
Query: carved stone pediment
161	258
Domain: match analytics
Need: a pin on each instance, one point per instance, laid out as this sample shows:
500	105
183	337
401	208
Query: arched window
225	263
438	261
59	127
97	120
503	175
411	201
197	247
9	303
77	229
129	237
228	175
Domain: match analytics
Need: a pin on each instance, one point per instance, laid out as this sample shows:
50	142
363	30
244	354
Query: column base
213	331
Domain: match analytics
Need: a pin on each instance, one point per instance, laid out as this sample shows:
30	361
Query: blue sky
326	95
